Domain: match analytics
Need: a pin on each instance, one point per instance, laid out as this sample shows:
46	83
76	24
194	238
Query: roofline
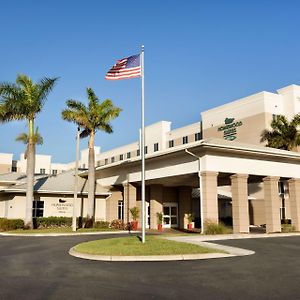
264	150
11	181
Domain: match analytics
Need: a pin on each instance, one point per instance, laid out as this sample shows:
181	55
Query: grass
58	230
131	246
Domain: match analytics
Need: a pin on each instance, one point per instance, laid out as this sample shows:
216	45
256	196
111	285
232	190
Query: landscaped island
132	246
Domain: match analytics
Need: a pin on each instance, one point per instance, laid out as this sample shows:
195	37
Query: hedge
11	224
52	222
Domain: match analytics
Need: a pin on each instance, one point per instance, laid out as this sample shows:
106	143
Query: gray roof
17	177
12	177
62	183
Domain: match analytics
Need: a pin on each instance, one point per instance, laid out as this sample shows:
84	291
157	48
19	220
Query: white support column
240	205
272	204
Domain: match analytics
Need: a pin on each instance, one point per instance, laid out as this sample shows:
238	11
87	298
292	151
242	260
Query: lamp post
74	227
200	187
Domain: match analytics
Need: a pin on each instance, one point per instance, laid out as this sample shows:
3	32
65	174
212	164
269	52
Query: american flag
128	67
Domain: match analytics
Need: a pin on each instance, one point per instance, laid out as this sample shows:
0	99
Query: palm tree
24	138
23	100
96	116
284	134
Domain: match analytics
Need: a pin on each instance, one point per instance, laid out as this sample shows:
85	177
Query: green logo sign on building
229	129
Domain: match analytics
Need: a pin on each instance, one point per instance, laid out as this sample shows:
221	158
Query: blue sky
198	55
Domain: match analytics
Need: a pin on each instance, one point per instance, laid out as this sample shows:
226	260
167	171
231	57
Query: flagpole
74	225
143	148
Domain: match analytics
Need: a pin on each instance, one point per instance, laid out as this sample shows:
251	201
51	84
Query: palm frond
36	139
22	137
93	99
84	133
45	86
23	99
76	105
96	116
283	134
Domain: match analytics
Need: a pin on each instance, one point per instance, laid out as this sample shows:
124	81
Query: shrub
211	227
11	224
287	228
51	222
101	224
117	224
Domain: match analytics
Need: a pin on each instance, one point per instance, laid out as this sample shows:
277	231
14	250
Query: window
37	209
14	166
155	147
106	161
121	156
128	154
120	209
146	149
138	152
42	171
171	143
98	163
185	140
54	172
112	159
198	136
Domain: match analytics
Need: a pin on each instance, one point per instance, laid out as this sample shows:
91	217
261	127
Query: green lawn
132	246
58	230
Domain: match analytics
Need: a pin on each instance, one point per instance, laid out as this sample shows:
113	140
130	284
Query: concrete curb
66	234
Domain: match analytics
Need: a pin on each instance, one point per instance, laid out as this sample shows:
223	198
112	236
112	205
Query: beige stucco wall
112	204
2	208
170	194
13	206
248	132
5	168
16	207
257	212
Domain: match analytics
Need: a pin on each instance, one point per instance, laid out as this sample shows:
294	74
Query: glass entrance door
170	217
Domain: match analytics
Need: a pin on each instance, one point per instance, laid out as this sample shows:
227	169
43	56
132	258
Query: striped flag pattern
128	67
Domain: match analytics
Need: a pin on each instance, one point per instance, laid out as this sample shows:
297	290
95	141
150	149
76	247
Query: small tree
24	100
159	216
91	118
135	213
190	217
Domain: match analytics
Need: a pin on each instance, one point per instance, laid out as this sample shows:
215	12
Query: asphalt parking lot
40	268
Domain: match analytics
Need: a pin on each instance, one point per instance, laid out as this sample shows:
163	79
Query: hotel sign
229	128
62	207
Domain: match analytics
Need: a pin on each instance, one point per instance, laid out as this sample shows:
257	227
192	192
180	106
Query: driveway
40	268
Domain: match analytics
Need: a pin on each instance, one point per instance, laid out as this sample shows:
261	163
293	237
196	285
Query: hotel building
240	179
